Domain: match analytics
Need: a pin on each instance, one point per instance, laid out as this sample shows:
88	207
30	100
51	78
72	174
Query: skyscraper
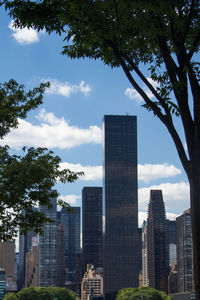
25	244
31	278
122	258
92	239
157	244
47	247
145	280
71	228
60	263
184	252
171	237
7	258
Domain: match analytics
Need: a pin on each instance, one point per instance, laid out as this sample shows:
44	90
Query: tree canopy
42	293
137	293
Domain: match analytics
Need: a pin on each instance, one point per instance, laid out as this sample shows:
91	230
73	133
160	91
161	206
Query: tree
56	293
25	179
162	35
10	296
146	293
28	294
42	293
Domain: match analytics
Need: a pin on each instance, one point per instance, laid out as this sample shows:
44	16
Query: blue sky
70	120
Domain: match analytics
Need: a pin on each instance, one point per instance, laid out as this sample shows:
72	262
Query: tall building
25	244
171	237
16	264
92	238
122	258
92	283
47	247
31	278
7	258
157	244
172	279
145	280
184	252
71	228
78	273
60	267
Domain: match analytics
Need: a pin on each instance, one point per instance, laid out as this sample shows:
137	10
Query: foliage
28	294
42	293
146	293
10	296
15	103
25	179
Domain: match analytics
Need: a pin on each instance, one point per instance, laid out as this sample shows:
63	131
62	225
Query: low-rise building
92	283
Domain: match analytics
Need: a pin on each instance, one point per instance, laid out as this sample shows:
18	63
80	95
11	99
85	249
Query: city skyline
70	120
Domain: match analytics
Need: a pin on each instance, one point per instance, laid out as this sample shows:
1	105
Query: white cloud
66	89
150	172
91	172
24	36
142	216
147	172
70	199
134	95
52	132
175	195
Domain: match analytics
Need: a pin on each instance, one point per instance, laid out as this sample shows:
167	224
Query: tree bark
195	220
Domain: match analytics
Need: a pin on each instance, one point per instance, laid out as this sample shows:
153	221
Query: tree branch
164	119
148	84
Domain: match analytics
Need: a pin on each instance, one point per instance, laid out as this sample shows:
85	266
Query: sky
69	121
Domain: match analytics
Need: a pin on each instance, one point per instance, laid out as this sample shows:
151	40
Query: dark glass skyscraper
71	227
184	252
122	258
60	267
157	244
92	239
47	247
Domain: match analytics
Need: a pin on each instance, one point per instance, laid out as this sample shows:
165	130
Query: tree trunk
195	219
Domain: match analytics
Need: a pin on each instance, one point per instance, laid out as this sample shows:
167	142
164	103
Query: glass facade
92	239
122	258
184	252
71	228
2	283
47	247
157	243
